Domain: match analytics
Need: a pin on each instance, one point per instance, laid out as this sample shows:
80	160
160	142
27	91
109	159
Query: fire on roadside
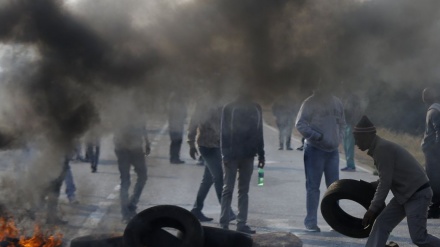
10	235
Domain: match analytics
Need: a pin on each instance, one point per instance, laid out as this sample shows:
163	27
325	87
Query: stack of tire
358	191
148	228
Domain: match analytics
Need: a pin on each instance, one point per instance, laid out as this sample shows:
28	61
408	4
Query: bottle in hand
260	176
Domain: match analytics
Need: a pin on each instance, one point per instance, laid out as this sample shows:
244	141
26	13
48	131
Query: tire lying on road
98	240
217	237
355	190
145	228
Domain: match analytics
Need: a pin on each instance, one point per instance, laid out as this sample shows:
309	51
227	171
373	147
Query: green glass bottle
260	176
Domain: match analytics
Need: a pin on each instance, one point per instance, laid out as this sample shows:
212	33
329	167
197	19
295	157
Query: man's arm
303	122
225	135
261	158
435	119
192	131
385	166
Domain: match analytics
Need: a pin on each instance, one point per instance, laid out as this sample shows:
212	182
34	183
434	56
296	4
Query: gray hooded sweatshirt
321	121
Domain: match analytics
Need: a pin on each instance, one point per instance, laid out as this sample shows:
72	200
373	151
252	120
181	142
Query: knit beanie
364	126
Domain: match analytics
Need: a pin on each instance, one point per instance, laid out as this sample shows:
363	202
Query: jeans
69	182
126	158
432	160
213	175
316	163
415	210
245	168
53	189
93	151
349	146
285	132
176	143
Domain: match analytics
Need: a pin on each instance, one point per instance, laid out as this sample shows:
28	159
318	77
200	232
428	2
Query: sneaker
200	216
300	148
73	201
177	161
232	217
280	148
348	169
289	148
313	229
392	244
245	229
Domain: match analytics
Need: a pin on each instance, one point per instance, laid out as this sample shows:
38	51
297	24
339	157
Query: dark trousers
176	143
93	151
213	175
126	159
432	159
244	167
52	191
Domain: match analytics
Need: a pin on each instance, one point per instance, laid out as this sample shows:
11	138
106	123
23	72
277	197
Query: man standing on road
131	147
353	112
204	129
241	140
321	122
431	148
176	120
283	110
399	172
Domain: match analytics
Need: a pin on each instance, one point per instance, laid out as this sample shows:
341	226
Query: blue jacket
242	131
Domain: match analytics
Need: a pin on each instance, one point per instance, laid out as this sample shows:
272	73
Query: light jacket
431	138
321	121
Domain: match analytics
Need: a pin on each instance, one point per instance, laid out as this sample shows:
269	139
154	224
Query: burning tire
103	240
358	191
146	227
217	237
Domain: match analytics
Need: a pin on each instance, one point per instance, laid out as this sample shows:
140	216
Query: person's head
364	133
430	96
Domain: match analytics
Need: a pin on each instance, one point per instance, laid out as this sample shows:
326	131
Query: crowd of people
228	136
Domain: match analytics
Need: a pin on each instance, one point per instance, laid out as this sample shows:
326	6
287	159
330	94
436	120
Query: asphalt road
278	206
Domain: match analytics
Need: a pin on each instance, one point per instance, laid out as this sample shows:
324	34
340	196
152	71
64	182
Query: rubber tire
144	226
355	190
99	240
217	237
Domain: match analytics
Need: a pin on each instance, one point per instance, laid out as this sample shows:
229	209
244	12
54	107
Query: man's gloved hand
261	163
193	152
369	218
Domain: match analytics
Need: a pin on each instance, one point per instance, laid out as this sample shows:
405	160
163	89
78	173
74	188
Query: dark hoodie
242	130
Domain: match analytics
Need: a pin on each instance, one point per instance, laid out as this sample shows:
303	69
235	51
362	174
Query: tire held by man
358	191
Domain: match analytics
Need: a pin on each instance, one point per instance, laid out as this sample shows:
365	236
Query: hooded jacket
431	138
321	121
242	130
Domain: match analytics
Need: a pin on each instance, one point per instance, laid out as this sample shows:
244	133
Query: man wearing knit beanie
399	172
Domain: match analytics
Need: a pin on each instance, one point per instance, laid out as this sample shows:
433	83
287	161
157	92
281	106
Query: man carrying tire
399	172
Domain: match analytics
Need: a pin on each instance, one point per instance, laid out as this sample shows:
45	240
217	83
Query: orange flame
9	231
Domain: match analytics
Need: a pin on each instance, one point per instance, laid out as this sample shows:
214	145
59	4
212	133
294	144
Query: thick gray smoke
64	65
